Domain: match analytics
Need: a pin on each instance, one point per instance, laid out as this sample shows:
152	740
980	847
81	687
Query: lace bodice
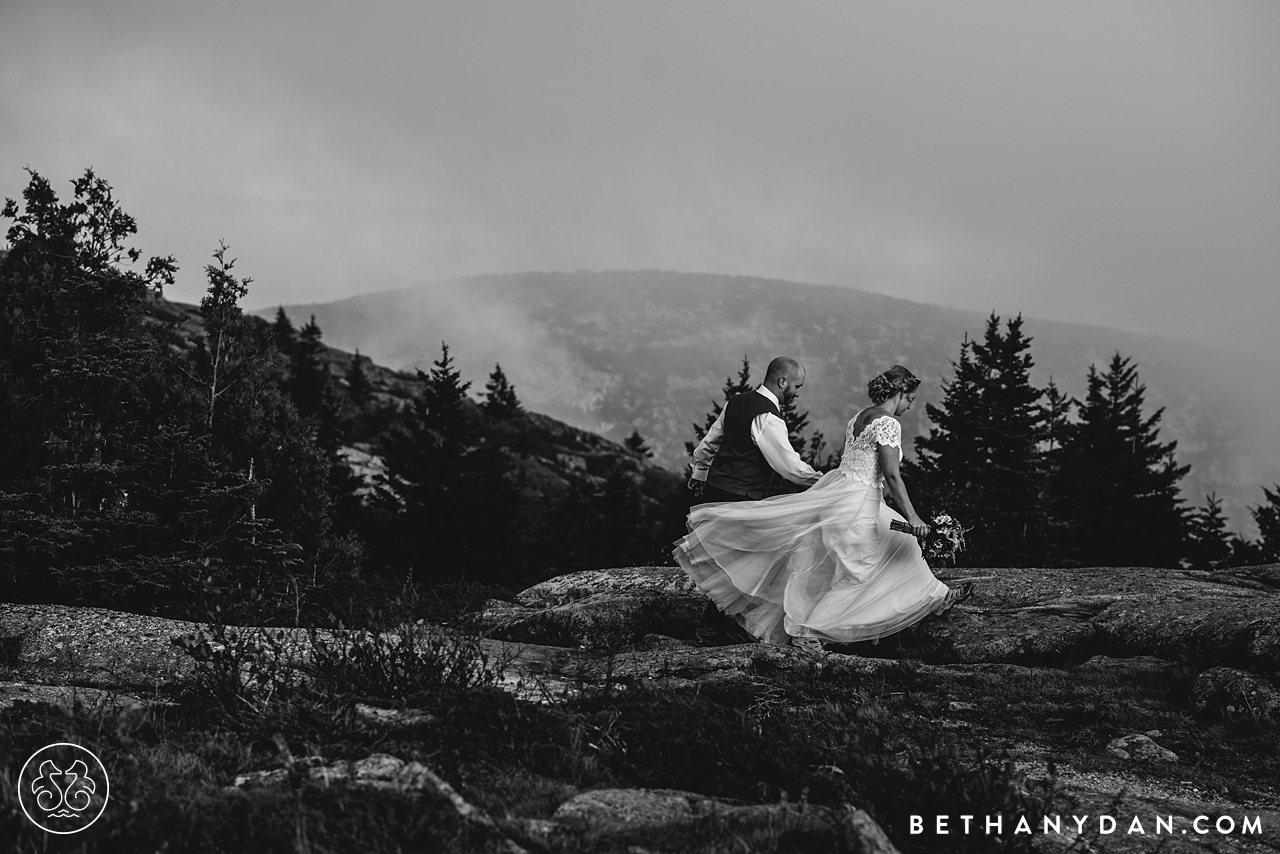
861	460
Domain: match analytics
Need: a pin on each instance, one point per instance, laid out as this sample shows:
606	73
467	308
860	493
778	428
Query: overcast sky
1112	163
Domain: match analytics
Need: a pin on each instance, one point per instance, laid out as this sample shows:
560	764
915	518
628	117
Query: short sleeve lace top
861	460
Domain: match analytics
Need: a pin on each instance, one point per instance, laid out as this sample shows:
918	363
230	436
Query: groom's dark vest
739	467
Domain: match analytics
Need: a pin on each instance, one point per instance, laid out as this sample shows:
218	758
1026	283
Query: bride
823	565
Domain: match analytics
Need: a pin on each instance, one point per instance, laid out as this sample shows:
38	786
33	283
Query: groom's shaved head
783	366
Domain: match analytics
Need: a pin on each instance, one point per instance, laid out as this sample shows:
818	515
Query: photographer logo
63	788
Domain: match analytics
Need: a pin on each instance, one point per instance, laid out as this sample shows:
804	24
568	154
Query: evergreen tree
1267	517
309	378
1056	418
359	387
1244	552
77	381
636	444
948	457
151	466
252	433
283	332
607	524
796	422
1055	415
1014	490
732	388
810	449
227	346
79	388
1209	544
500	399
457	513
1116	490
981	461
316	395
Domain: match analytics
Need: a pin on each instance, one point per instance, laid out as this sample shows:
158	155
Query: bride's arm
898	489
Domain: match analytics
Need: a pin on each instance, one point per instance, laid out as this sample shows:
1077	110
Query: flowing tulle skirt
821	563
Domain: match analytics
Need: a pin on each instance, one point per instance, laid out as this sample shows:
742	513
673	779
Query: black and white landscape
612	352
349	354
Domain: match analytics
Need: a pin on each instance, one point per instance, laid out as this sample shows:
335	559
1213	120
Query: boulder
545	672
1229	694
1140	746
101	647
69	696
641	815
1030	617
394	720
597	609
605	621
1059	617
1027	616
667	580
376	771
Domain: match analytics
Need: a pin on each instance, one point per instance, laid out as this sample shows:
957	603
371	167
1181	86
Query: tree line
1044	479
148	468
145	467
1050	480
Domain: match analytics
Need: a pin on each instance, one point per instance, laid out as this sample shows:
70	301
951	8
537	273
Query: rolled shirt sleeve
769	432
706	450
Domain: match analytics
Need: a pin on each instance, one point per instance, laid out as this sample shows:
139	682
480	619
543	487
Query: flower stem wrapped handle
896	525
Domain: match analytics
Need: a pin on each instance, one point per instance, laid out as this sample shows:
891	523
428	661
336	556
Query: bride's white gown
821	563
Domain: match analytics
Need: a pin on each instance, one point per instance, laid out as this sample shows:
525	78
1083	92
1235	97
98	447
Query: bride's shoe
808	645
955	596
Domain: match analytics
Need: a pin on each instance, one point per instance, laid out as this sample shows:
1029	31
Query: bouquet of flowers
945	540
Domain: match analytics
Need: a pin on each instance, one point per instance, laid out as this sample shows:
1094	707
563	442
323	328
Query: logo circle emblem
63	788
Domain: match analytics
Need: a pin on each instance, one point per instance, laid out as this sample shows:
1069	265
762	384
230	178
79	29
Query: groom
746	456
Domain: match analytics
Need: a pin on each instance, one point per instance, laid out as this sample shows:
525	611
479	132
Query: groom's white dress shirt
769	432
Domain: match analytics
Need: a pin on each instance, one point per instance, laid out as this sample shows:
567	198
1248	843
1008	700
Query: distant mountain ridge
650	350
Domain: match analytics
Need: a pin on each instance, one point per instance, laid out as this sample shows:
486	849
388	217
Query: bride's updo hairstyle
890	382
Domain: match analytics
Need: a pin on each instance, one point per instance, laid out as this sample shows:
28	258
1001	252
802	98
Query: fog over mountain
650	350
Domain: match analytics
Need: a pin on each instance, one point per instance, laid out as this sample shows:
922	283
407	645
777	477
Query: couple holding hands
818	565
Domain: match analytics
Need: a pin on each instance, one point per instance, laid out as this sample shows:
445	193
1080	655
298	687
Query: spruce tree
155	464
1055	412
811	448
637	446
1267	517
80	389
1055	415
606	524
981	460
1209	543
359	387
949	456
317	397
227	345
732	388
256	441
1116	490
309	377
283	332
1013	523
76	377
500	399
457	511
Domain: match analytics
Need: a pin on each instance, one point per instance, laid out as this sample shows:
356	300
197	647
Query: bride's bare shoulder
860	421
863	419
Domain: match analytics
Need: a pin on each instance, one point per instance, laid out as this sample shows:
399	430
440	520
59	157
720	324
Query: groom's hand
696	485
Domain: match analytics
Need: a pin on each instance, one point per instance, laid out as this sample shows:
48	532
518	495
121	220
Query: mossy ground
798	734
904	737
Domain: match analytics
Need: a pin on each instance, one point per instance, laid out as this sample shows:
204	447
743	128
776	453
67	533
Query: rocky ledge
1027	632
